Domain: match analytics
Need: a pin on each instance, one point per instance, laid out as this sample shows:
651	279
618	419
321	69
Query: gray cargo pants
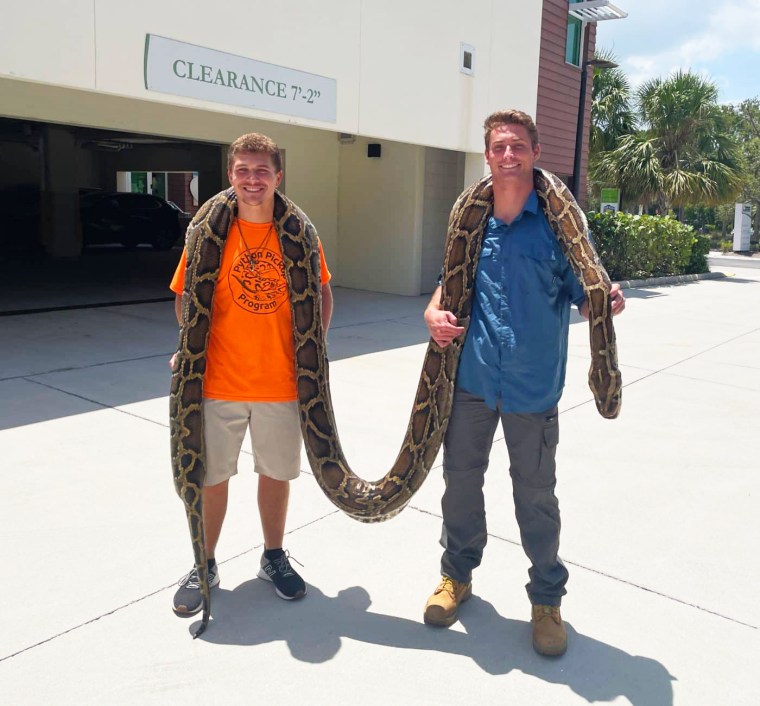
532	443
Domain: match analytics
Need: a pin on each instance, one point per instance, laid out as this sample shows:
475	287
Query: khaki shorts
275	438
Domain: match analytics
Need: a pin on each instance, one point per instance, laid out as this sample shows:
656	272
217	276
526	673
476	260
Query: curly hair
510	117
256	143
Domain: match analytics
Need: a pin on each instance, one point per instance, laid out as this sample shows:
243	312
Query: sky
718	39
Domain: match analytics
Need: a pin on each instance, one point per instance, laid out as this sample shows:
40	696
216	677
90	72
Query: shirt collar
531	203
530	206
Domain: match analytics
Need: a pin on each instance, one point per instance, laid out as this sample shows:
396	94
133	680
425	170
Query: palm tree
612	115
685	153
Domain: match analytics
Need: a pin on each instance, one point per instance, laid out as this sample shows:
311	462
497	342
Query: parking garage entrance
93	216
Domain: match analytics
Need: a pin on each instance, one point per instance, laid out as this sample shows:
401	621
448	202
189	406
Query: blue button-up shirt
515	353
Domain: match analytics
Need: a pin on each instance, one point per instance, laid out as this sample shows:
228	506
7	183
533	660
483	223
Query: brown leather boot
549	634
441	608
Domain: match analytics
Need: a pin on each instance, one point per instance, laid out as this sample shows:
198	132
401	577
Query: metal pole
579	133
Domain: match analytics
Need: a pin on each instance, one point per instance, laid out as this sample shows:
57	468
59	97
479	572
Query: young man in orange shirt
250	373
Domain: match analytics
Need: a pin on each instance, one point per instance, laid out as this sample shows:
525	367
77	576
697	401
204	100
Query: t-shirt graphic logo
257	281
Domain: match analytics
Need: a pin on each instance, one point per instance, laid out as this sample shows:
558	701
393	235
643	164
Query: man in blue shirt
512	368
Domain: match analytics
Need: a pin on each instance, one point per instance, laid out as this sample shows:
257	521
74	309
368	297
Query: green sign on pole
610	199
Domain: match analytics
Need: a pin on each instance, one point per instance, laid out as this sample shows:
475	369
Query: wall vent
467	59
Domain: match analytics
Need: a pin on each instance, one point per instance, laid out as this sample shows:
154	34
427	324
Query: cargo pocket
549	441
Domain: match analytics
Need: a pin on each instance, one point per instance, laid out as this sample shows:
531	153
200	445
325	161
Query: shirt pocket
541	271
488	250
488	262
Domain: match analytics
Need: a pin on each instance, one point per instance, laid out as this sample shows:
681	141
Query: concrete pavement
717	260
659	508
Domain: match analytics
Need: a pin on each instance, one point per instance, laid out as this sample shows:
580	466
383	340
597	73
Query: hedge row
635	247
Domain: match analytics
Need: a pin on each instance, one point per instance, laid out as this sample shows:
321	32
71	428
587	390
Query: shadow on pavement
101	275
641	293
737	280
313	630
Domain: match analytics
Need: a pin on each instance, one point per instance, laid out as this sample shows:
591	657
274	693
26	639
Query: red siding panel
558	95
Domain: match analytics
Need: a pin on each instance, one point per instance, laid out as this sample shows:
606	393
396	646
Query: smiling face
510	154
254	178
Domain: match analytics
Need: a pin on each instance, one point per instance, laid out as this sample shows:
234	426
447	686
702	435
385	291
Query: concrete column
475	167
59	197
124	181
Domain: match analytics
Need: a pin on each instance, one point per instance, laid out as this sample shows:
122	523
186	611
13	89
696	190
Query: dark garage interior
51	174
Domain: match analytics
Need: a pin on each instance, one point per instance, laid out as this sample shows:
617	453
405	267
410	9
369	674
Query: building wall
397	68
559	92
380	216
392	59
443	182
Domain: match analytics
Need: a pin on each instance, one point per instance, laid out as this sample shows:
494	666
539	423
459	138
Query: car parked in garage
184	216
129	219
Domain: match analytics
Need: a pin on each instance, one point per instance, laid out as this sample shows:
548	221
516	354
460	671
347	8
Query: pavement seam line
695	355
95	402
572	563
714	382
81	625
75	307
667	367
29	376
150	595
393	319
611	576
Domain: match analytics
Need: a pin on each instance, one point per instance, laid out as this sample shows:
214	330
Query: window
574	39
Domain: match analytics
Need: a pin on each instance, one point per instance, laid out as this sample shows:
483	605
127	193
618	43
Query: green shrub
699	250
726	246
635	247
716	237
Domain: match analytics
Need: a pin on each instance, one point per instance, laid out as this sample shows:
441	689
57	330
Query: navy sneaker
287	583
188	599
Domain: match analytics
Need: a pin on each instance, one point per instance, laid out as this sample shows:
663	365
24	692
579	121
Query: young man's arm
178	314
442	324
616	296
327	305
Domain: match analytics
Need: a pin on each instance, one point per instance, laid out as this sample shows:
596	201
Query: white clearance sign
197	72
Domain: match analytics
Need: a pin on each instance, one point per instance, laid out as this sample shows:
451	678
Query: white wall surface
411	86
49	40
444	181
475	166
380	216
396	62
513	75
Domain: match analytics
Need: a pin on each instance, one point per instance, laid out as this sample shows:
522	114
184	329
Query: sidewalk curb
670	279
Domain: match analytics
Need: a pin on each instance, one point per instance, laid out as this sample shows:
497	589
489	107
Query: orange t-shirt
250	355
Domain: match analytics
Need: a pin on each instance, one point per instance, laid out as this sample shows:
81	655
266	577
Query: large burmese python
363	500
